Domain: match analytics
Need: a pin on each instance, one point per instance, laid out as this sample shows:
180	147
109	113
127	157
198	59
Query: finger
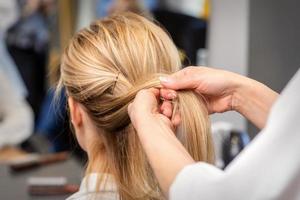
168	94
183	79
176	120
155	91
167	108
167	121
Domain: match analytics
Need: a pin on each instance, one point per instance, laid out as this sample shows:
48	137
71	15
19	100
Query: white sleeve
16	116
269	168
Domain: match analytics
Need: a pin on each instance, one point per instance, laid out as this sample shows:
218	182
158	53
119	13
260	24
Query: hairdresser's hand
156	134
146	108
224	91
217	86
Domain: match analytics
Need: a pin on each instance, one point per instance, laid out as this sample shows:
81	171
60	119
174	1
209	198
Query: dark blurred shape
188	33
233	145
53	122
27	41
53	125
50	190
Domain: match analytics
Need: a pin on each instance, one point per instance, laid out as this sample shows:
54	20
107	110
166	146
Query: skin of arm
156	133
224	91
254	100
165	153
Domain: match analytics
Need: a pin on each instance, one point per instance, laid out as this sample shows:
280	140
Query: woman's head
102	69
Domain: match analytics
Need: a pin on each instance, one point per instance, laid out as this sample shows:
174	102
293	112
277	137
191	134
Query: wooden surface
9	153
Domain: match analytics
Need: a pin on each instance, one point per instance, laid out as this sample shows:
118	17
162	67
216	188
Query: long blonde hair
103	68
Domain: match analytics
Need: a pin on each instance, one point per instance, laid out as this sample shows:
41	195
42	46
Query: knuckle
188	71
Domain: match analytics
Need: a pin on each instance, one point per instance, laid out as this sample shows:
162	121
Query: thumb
183	79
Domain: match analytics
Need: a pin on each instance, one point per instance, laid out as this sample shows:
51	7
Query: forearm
166	154
254	100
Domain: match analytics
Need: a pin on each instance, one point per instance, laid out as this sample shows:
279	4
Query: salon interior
39	155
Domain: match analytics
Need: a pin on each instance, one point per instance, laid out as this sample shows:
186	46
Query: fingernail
164	79
172	95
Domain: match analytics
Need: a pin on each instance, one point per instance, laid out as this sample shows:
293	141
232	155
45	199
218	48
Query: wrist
253	100
241	93
240	89
143	122
153	124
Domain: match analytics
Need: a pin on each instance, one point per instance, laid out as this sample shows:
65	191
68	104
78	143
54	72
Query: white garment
9	13
16	116
9	69
89	190
193	8
269	168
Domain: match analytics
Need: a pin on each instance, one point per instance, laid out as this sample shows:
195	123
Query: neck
97	161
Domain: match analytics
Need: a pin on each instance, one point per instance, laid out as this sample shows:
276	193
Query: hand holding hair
224	91
156	134
146	104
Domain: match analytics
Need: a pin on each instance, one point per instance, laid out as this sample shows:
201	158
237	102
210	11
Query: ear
75	113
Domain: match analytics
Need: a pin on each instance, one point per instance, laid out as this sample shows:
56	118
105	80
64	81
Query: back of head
103	68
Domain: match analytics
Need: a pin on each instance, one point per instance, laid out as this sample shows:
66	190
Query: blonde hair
103	68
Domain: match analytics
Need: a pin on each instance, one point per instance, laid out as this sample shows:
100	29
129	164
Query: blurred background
256	38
